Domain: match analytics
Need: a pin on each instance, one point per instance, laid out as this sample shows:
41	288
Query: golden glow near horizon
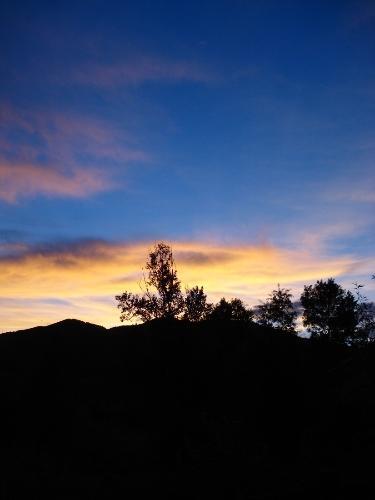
114	131
40	287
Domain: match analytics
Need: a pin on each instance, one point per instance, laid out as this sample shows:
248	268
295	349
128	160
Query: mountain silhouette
183	411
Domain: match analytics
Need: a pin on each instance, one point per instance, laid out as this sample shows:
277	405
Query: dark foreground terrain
182	411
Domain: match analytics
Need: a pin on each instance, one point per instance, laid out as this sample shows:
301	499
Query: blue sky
207	124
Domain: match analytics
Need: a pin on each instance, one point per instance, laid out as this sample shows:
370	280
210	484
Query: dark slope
186	411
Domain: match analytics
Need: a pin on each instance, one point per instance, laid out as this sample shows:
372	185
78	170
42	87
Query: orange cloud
46	284
19	181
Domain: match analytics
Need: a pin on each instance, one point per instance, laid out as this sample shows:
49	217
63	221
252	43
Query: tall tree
278	311
162	297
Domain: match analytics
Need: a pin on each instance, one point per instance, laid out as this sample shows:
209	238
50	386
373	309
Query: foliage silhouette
365	319
278	311
196	306
233	310
162	297
329	311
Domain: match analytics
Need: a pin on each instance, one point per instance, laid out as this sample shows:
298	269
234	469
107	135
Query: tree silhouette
196	306
234	310
162	297
278	311
365	326
329	311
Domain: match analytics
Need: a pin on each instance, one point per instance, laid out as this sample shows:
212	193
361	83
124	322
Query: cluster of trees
162	297
328	310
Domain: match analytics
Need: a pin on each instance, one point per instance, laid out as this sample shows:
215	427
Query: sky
242	133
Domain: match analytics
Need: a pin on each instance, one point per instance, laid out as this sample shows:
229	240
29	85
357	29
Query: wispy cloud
60	154
88	274
24	181
356	189
357	193
140	70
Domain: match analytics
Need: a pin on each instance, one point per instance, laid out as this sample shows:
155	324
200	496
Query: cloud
21	181
359	190
60	154
317	236
141	70
63	136
86	275
363	194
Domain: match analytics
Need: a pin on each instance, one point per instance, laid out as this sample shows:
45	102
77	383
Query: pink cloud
358	190
64	135
60	154
27	180
141	70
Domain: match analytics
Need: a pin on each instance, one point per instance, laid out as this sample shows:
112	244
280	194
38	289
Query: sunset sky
240	132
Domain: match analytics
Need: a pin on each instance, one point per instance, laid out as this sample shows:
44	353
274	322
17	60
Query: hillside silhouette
185	411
